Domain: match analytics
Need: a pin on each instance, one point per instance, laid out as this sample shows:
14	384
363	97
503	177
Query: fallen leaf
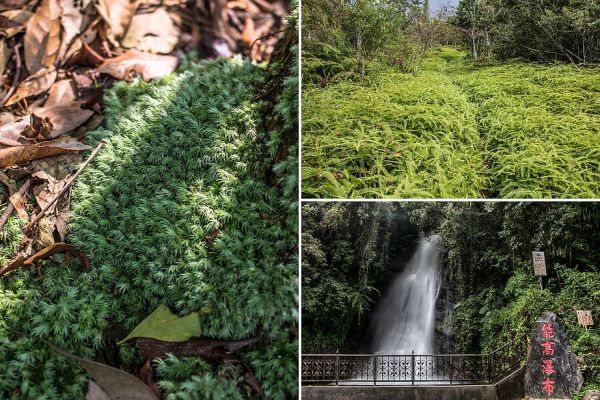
149	65
248	34
4	56
19	203
62	91
64	117
95	392
13	4
45	231
20	154
35	84
42	38
117	14
61	221
163	325
71	20
14	21
117	384
11	133
154	32
19	132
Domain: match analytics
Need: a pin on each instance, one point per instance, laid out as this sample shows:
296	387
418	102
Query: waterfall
404	320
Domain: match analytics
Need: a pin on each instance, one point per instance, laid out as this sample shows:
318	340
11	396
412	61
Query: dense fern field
175	210
453	130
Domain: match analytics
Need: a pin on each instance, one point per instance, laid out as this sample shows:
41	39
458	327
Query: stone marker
552	370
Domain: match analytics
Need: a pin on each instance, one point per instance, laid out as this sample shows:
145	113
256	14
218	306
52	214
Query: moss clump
175	209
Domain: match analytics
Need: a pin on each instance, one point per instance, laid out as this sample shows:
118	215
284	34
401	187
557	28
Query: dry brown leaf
11	133
71	20
13	4
4	56
243	5
14	21
117	14
149	65
42	38
61	92
45	231
61	221
117	383
249	34
19	202
35	84
64	117
20	154
154	32
95	392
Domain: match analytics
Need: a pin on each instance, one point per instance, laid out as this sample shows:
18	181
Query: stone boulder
552	370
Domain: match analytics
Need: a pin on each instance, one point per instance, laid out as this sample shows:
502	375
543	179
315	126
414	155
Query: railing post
412	368
374	370
451	369
337	369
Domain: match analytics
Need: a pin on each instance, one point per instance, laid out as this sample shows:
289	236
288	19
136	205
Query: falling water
404	320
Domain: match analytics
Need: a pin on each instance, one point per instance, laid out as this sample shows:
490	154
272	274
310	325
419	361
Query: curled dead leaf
64	117
4	56
42	38
14	21
116	383
20	154
148	65
117	14
95	392
154	32
35	84
30	126
19	202
61	92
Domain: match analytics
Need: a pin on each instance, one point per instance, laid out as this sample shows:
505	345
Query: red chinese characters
547	349
549	386
547	331
548	367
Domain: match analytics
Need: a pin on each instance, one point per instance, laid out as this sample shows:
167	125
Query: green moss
176	210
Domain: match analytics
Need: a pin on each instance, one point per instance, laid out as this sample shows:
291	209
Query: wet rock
552	370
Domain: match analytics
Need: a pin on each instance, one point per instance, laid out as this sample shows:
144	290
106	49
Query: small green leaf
163	325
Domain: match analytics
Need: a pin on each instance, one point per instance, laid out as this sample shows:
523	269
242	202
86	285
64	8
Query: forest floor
455	130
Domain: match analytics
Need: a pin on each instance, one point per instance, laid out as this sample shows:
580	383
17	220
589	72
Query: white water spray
404	320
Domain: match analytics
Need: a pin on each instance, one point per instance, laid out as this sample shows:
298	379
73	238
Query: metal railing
464	369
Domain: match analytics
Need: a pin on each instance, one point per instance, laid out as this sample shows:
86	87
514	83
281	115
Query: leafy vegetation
487	264
175	210
454	130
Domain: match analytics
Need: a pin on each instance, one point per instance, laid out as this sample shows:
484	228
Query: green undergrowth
454	130
175	209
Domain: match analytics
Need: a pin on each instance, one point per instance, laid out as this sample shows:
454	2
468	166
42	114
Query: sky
435	5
